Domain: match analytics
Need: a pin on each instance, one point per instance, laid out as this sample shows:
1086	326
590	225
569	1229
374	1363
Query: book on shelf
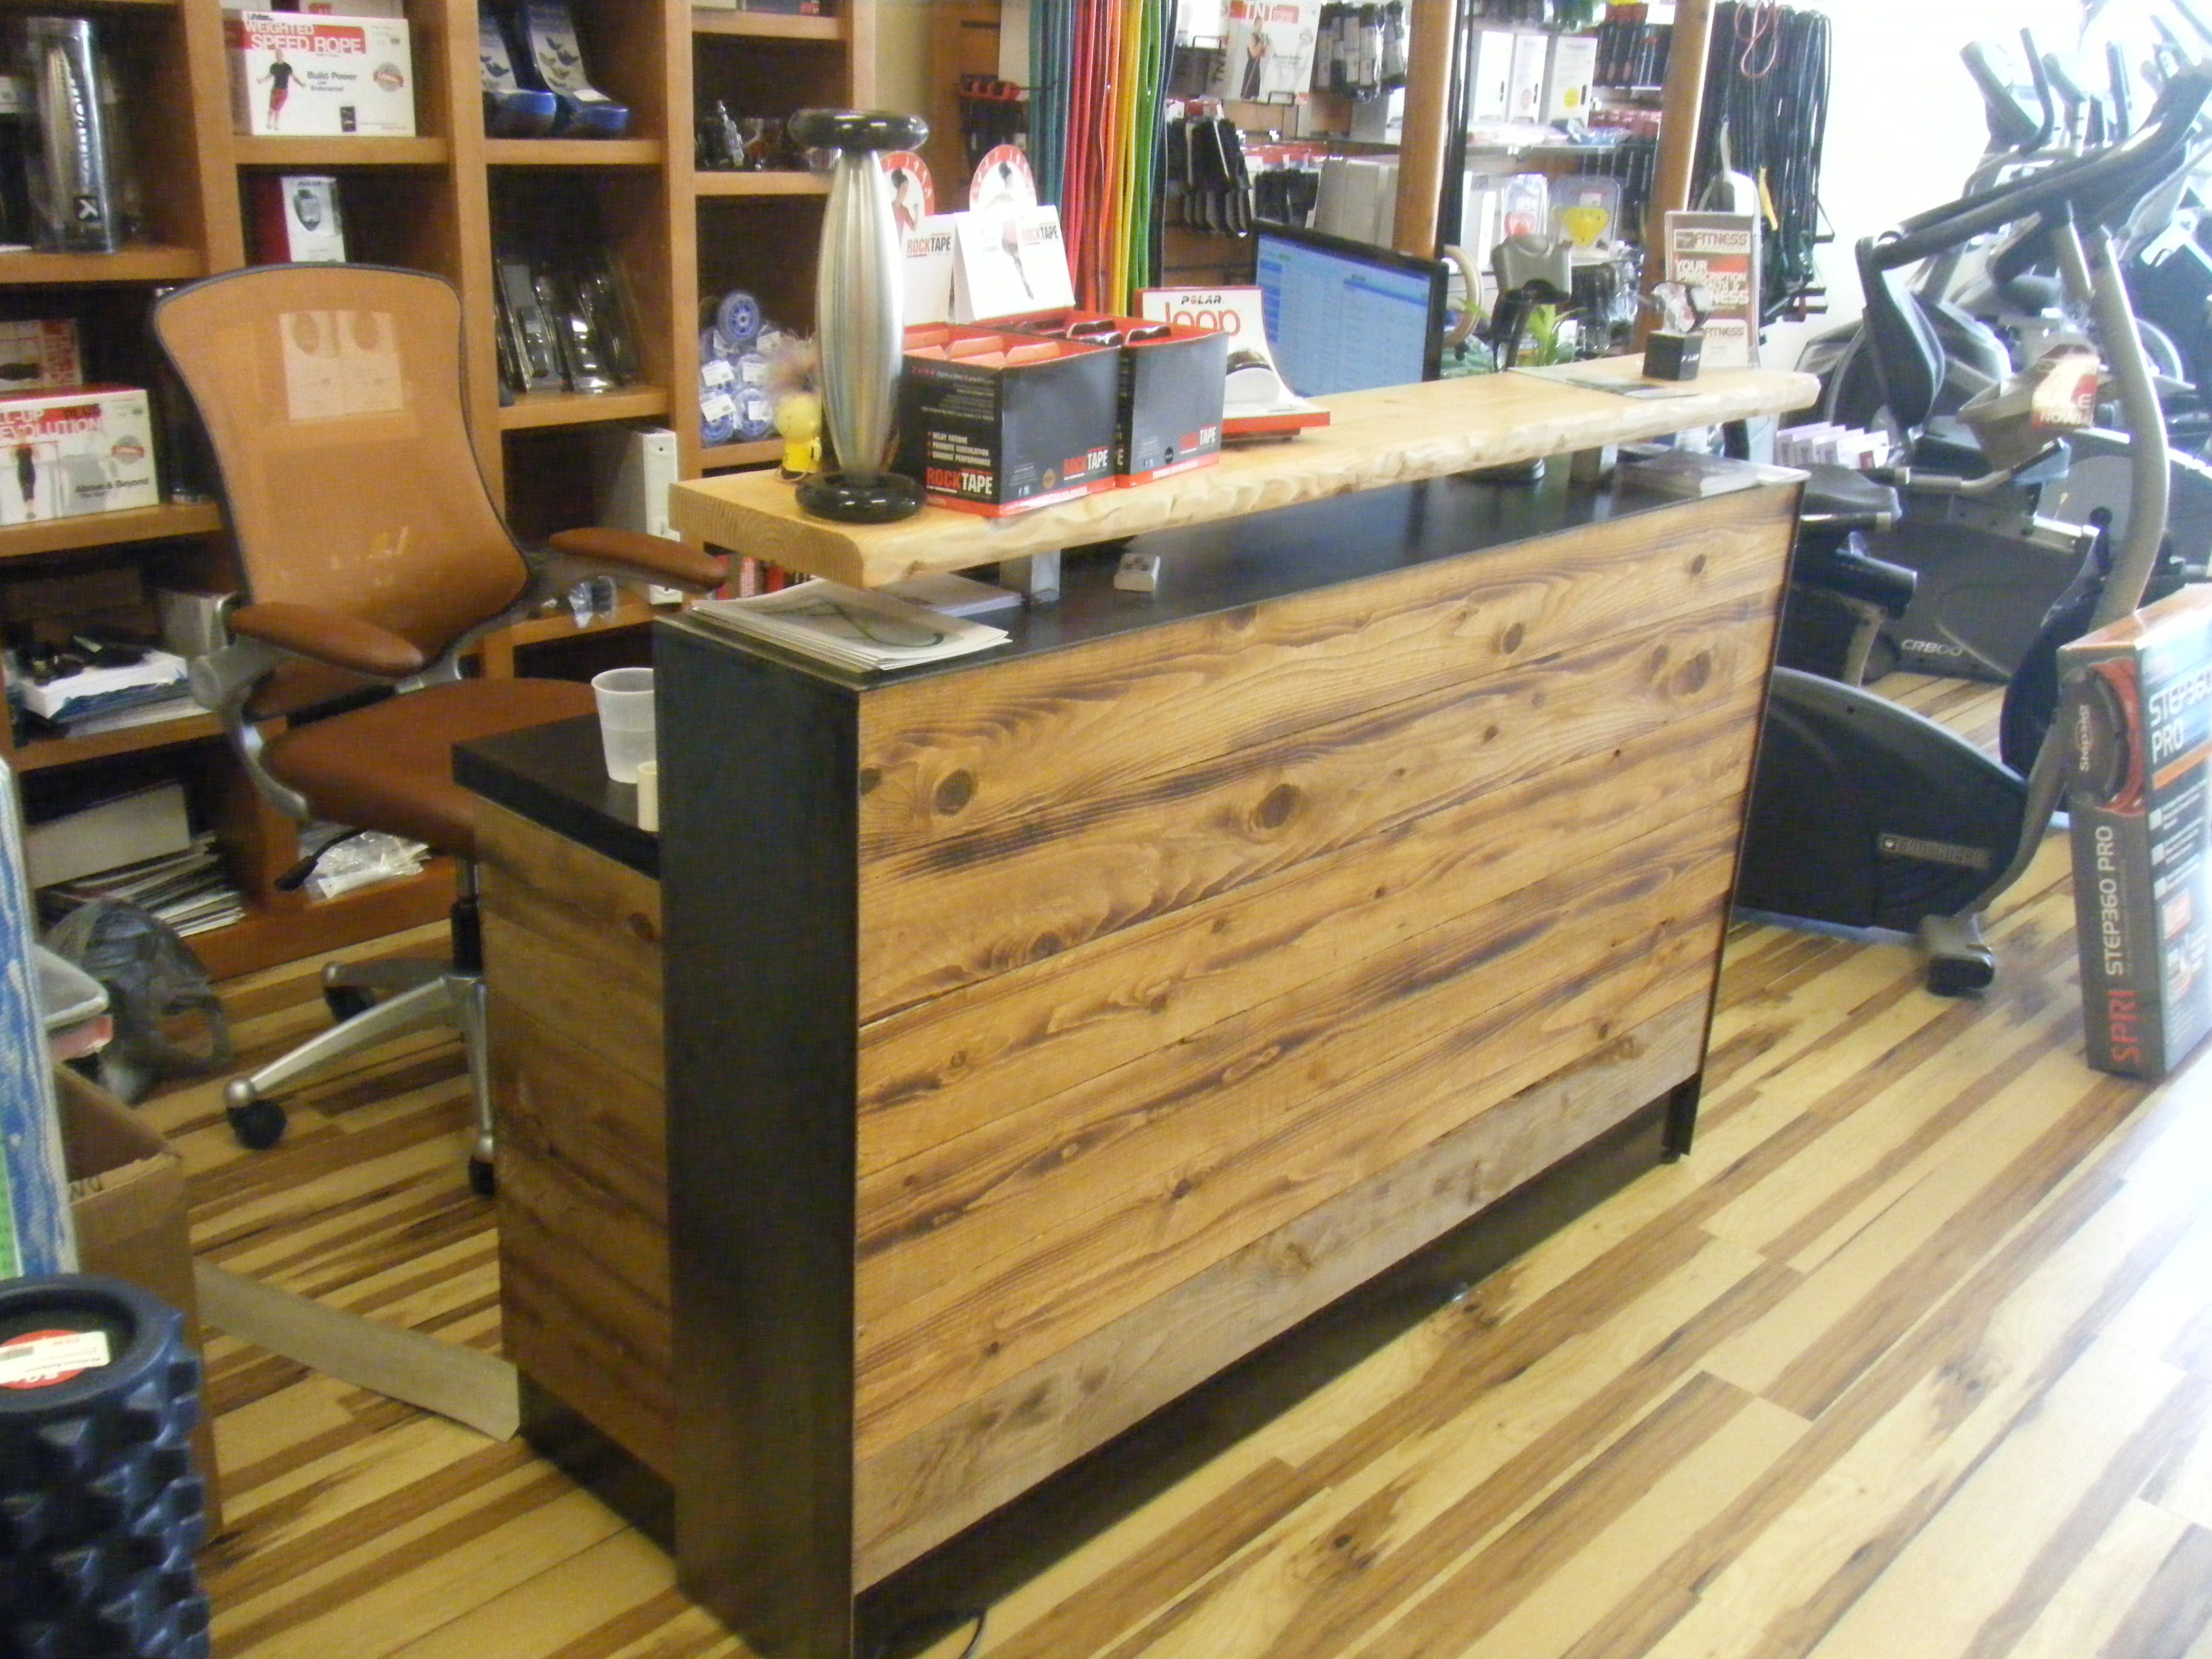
188	890
851	629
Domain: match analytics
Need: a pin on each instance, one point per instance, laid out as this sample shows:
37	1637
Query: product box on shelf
2136	715
996	423
1569	74
294	74
39	356
1172	382
90	450
295	217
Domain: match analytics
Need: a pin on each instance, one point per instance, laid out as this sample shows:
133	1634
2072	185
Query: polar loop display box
997	422
1172	381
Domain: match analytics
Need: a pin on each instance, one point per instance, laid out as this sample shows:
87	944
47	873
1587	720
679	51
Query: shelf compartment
42	752
760	184
287	928
541	409
771	26
144	524
342	152
723	456
575	152
150	264
628	613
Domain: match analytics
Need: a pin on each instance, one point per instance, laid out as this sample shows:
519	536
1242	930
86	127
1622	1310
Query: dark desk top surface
556	776
553	774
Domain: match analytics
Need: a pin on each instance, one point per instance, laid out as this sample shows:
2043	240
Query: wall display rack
430	201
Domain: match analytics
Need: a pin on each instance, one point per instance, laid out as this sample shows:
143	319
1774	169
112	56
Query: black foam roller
99	1508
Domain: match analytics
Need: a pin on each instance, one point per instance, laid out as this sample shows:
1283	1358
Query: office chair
373	558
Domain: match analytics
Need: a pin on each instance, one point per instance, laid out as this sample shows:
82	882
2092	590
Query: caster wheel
483	1180
344	1002
258	1126
1961	976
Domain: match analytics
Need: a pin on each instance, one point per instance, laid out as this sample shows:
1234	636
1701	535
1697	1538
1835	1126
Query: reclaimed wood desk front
1046	1031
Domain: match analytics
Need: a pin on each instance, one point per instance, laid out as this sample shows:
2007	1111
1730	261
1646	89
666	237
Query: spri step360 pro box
2137	719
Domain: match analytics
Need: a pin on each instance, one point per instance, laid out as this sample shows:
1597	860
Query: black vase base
884	499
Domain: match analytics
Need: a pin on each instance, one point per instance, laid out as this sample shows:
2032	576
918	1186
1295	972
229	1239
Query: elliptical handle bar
2011	126
2115	71
2042	79
2137	163
2193	17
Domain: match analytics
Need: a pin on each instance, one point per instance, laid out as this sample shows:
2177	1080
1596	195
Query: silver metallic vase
859	314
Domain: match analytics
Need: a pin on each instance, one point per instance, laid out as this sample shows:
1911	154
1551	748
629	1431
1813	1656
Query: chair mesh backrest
332	395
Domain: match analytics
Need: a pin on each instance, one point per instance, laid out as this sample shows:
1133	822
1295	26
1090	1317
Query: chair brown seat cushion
390	766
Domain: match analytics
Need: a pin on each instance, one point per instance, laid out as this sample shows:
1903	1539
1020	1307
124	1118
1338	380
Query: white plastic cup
625	699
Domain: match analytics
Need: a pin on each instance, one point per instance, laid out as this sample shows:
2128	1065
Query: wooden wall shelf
771	26
150	523
722	457
43	752
575	152
538	409
148	263
760	184
342	152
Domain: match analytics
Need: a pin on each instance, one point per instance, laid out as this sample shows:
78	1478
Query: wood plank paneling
572	940
1012	892
1262	1119
947	1067
941	755
918	1492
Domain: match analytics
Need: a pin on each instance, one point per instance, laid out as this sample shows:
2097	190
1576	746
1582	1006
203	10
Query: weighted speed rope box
2137	716
996	423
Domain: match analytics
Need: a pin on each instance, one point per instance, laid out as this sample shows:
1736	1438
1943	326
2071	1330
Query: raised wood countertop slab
1393	436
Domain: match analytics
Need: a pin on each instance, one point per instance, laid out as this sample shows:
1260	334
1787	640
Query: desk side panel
757	873
1225	995
573	963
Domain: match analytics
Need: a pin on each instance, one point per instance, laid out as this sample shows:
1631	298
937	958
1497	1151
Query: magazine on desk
849	627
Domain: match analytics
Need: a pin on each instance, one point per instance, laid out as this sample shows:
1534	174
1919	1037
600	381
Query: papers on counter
849	628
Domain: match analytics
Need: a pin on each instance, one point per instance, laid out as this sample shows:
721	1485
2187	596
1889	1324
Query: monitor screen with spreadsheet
1344	316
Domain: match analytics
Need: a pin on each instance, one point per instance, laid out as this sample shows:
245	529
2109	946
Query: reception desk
982	1057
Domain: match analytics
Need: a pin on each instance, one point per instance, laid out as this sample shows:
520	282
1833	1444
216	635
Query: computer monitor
1345	316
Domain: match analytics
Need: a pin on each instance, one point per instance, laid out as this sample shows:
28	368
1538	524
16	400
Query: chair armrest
635	554
329	636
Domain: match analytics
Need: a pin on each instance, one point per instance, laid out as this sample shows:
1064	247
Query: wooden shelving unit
148	524
543	409
771	26
575	152
761	184
41	753
434	202
721	458
289	153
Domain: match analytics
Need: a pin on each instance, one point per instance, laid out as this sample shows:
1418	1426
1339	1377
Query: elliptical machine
1864	814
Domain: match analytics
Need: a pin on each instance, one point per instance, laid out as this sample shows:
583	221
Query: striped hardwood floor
1913	1357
